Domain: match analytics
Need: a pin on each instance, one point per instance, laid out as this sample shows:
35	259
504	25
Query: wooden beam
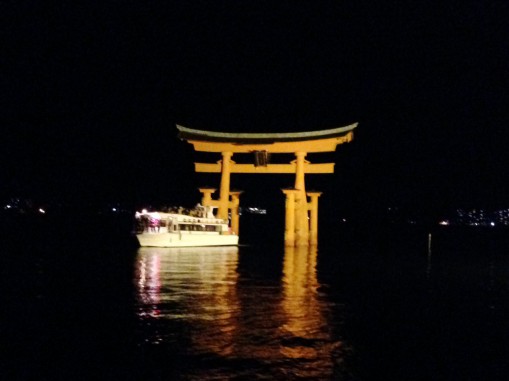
270	168
317	145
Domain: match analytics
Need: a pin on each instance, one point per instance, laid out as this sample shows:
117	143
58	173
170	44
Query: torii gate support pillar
234	208
313	221
290	217
301	206
224	190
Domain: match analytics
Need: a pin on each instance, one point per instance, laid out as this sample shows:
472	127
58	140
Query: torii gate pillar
290	216
313	220
224	191
234	207
301	206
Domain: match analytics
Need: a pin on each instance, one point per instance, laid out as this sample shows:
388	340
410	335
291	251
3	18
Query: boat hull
149	239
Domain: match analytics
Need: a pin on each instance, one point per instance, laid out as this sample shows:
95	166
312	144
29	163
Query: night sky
91	93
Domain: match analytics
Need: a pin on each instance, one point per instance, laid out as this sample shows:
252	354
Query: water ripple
274	329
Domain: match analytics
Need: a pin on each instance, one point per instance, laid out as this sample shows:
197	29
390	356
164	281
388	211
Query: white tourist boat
197	227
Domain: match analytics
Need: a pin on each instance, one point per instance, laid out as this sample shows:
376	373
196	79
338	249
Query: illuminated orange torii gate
301	220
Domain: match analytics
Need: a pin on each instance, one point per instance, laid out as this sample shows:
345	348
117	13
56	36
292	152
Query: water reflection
195	286
246	326
307	325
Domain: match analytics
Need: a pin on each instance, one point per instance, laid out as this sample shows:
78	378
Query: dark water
79	301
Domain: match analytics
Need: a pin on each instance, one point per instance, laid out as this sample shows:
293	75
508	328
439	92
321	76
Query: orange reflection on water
280	327
196	286
307	314
300	286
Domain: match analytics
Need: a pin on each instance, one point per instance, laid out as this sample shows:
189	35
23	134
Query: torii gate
301	227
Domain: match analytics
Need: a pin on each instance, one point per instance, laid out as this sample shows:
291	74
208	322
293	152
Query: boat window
199	227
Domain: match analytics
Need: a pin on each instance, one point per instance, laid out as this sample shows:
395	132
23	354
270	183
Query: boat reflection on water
191	286
251	326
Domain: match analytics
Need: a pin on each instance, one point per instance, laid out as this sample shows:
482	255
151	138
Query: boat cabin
201	219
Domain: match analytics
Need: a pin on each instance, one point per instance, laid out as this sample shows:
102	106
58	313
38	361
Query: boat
178	227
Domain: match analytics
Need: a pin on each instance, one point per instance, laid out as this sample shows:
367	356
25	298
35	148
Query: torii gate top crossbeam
312	141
